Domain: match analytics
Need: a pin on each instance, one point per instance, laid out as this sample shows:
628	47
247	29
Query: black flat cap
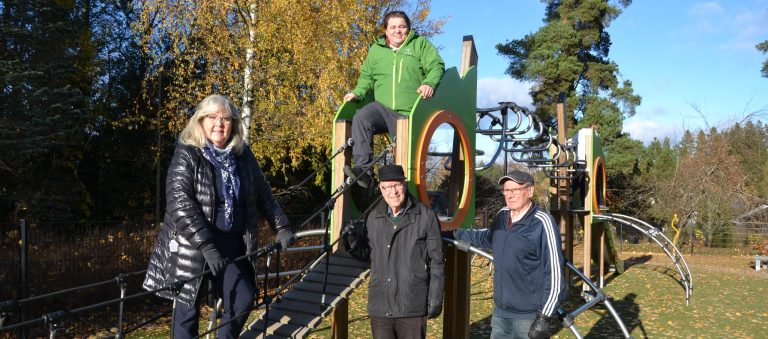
391	173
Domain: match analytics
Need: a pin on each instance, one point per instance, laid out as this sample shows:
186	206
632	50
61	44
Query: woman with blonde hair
216	194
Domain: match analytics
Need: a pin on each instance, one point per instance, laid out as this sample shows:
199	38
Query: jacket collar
527	219
382	40
409	202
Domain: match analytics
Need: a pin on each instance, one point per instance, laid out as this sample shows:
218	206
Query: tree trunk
246	112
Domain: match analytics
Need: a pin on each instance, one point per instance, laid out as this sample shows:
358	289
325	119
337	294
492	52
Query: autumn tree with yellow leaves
286	63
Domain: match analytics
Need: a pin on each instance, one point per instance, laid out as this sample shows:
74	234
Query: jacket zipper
394	79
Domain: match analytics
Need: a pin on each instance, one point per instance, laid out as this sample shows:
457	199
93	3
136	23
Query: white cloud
646	130
747	28
491	91
727	28
710	8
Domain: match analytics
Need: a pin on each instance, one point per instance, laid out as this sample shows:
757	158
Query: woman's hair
193	133
396	14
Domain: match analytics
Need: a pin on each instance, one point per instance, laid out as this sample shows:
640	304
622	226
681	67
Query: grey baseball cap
518	176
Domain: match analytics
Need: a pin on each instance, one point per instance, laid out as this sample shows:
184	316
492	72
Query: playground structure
576	168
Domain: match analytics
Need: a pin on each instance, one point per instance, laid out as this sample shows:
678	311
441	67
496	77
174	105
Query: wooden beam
340	317
457	268
468	54
457	291
401	146
565	219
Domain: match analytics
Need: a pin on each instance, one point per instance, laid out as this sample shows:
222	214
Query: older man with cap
528	282
406	283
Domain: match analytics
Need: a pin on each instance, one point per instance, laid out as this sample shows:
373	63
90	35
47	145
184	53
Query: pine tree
763	47
570	54
44	115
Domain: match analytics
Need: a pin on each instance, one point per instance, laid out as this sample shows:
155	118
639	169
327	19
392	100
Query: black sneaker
362	178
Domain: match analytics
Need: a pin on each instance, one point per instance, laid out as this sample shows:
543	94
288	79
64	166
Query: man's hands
541	327
349	96
463	245
426	91
434	308
285	237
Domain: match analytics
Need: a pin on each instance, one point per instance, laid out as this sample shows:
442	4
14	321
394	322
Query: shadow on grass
606	326
628	263
478	291
628	310
669	272
632	261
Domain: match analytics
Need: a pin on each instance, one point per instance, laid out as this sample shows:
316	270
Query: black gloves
463	245
433	309
541	327
354	237
215	263
285	237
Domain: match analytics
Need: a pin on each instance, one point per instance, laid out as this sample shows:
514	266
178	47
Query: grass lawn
730	300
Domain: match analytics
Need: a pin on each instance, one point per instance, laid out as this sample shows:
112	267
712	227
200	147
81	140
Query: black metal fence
58	257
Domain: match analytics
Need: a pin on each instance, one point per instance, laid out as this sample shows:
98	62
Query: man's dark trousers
399	328
372	119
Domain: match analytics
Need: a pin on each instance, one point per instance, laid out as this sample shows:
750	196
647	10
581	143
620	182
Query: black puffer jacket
189	217
407	268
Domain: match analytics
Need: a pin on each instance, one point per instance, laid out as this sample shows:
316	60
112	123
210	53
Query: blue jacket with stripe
528	273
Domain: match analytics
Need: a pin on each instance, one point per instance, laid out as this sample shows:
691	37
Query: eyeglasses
213	118
515	191
391	188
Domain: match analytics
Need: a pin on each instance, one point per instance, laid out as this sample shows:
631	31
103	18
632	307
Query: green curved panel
458	95
454	93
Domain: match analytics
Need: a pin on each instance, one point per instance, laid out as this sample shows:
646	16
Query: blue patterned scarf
224	162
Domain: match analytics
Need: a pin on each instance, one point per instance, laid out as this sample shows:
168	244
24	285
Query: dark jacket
528	263
189	217
407	268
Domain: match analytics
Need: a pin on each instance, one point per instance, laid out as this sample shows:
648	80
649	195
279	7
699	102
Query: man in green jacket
400	67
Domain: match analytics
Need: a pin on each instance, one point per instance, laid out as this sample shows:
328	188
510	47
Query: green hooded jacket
394	75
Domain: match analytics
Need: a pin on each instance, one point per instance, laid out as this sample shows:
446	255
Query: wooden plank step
276	328
333	279
291	317
342	270
347	261
253	335
298	306
308	286
315	299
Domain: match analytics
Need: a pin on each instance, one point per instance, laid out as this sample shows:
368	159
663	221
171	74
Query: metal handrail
597	296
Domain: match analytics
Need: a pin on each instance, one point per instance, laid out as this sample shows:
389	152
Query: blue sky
693	62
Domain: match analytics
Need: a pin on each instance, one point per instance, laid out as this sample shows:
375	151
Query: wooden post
457	268
601	231
468	54
565	219
402	139
340	316
456	176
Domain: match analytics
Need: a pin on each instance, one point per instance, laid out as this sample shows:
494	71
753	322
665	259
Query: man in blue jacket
528	281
